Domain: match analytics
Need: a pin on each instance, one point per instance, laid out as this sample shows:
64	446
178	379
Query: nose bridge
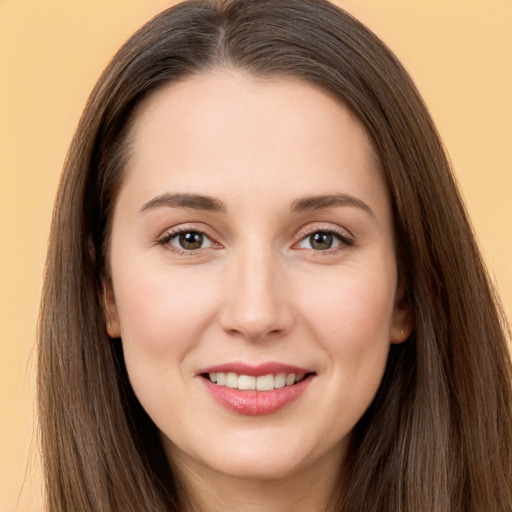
257	305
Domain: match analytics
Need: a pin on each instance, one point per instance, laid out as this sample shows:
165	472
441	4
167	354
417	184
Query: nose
257	305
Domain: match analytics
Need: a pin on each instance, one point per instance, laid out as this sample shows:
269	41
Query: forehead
229	132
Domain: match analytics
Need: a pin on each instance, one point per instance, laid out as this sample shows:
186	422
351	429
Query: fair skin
256	273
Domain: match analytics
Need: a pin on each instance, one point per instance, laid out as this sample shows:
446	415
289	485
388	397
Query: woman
262	288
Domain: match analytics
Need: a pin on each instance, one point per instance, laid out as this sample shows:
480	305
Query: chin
257	466
261	457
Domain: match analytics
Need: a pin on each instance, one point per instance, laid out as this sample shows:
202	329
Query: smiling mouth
256	390
251	383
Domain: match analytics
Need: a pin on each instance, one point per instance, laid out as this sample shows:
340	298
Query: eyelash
345	241
168	236
343	238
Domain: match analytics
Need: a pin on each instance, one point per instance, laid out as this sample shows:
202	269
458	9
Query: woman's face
252	244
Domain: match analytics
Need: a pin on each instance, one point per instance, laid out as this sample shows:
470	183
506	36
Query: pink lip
253	402
254	370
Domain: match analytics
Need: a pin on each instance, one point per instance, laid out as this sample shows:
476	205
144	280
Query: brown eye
190	240
324	241
321	241
187	240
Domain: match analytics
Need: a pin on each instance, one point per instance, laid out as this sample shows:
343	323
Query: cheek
162	312
354	302
351	320
163	316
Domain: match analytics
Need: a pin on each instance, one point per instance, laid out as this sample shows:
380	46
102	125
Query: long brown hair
438	435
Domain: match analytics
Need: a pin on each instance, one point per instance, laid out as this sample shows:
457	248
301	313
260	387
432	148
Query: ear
402	321
110	311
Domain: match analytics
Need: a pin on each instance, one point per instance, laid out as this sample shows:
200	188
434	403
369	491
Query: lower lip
256	403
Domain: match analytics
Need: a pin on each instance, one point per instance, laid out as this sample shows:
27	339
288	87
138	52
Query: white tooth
290	379
213	377
300	377
246	382
221	379
231	380
265	383
280	380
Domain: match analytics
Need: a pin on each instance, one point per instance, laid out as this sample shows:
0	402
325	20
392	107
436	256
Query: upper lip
258	370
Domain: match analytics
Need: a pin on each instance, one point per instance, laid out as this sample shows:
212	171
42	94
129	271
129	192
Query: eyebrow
330	201
194	201
200	202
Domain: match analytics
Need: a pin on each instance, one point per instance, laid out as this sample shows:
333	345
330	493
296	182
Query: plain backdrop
459	52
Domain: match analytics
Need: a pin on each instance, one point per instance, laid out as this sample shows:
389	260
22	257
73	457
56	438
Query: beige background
51	53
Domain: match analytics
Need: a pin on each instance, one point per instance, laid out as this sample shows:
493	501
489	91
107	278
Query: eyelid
171	233
343	235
